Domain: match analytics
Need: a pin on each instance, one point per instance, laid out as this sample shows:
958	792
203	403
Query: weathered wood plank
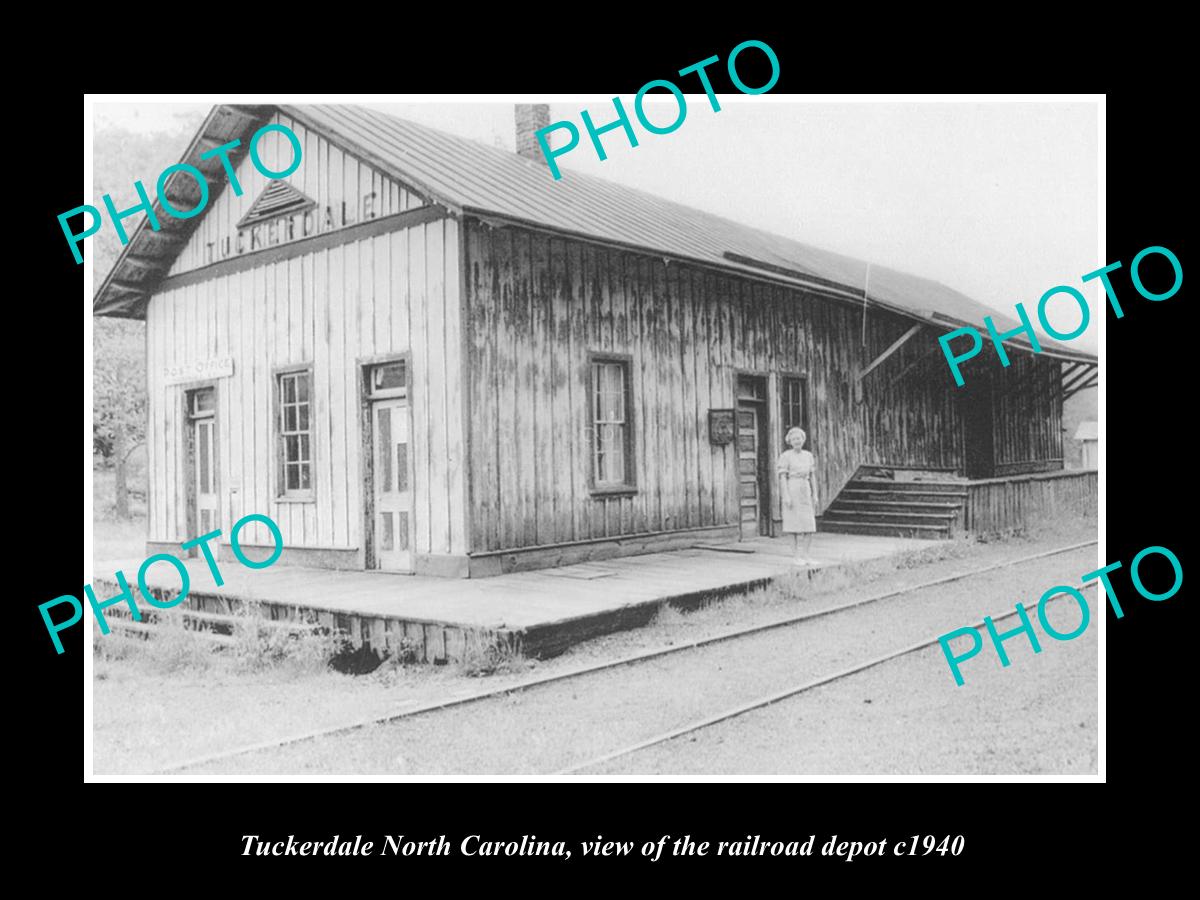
524	368
323	399
485	305
542	394
557	376
419	395
436	419
457	439
382	326
338	365
515	431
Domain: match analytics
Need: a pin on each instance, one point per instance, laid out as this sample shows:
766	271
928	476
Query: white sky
997	200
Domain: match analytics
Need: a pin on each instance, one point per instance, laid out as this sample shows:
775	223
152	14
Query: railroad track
644	656
767	700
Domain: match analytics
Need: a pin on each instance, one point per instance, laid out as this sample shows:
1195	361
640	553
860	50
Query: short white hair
795	429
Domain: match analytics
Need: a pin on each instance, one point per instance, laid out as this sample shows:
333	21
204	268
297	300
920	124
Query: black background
1010	828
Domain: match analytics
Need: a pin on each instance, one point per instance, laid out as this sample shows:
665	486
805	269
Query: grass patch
118	539
804	585
489	654
170	649
256	645
260	643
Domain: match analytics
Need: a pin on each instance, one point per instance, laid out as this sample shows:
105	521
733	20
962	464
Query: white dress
800	516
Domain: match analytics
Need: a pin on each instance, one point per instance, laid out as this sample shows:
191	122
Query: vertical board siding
910	403
1000	505
538	305
1027	415
326	174
389	294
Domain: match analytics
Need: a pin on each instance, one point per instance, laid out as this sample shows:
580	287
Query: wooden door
975	406
392	490
203	418
753	488
749	488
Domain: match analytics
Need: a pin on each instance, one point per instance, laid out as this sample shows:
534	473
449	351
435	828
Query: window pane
302	387
615	388
618	454
385	454
304	456
609	381
293	476
202	401
388	376
612	407
402	467
303	415
291	449
305	476
205	469
401	531
289	418
289	388
610	456
386	536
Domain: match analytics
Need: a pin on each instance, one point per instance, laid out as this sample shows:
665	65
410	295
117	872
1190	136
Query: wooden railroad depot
421	354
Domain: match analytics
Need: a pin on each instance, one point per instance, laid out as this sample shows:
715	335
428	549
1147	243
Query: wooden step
909	487
884	495
884	529
907	472
901	506
891	517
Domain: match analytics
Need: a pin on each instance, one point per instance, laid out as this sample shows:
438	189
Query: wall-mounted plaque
721	427
200	370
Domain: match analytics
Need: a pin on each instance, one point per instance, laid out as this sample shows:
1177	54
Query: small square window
203	401
389	377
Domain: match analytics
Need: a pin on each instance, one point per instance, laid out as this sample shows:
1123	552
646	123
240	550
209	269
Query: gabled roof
468	177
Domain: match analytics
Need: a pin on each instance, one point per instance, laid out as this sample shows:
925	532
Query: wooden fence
1004	504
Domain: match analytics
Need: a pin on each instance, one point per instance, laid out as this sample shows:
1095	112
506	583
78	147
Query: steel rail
590	668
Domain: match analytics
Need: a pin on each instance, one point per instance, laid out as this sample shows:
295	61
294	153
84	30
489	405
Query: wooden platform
540	612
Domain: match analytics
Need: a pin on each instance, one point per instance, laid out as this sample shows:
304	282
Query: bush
259	643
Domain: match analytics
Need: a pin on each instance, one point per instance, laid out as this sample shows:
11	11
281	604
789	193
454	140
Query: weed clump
490	654
260	643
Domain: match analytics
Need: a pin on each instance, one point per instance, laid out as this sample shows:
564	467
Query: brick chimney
531	117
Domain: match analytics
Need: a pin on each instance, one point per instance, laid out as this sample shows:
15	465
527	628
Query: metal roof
493	183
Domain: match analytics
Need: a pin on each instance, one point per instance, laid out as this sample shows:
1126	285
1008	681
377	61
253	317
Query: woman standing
798	488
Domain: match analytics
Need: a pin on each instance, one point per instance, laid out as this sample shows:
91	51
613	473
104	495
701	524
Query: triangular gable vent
278	199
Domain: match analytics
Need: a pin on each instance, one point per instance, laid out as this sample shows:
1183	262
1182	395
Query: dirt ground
204	703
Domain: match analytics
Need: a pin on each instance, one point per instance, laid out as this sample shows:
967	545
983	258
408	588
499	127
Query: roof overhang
148	256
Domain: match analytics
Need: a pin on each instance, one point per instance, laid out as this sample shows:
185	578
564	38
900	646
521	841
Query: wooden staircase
898	502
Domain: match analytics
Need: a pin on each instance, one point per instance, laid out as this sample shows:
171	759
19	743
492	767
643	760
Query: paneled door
393	493
202	413
753	465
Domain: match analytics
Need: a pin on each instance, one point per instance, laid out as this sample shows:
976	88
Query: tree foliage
121	157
